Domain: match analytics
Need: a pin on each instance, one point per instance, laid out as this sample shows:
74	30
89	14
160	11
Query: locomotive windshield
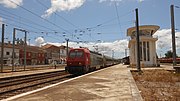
76	54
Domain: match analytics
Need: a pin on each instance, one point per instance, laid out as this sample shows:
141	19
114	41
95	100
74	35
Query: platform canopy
148	28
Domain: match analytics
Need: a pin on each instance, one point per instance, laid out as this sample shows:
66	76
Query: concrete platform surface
110	84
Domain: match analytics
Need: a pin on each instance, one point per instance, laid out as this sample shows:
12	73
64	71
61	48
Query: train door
88	60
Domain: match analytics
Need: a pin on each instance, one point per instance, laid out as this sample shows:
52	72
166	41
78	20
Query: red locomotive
81	60
169	60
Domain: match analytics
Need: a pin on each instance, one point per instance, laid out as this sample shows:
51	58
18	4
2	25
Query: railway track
12	86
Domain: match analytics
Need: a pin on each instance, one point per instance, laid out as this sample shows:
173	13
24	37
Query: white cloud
140	0
116	0
63	5
67	5
1	22
164	42
106	48
109	0
39	41
9	4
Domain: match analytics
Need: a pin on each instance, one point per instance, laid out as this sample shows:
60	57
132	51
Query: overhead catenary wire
19	22
108	21
36	24
101	25
59	15
39	16
117	14
75	26
25	19
16	16
62	18
19	27
90	28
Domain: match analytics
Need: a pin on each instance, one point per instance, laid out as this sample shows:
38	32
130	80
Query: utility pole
29	41
125	52
25	38
67	40
137	38
13	53
2	48
113	56
173	35
112	53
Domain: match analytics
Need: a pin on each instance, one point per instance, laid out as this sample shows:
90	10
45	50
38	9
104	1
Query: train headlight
80	63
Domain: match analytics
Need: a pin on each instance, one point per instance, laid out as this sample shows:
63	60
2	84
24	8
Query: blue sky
100	23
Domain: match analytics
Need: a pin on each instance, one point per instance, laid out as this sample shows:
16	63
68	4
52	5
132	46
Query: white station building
148	56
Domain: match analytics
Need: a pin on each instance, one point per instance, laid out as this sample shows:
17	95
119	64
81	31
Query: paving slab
110	84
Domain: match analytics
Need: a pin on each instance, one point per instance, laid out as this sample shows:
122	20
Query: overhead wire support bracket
13	53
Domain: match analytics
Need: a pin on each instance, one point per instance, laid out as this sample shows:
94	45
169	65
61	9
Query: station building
148	56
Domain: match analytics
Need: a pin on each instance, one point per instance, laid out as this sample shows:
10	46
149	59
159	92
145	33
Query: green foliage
169	54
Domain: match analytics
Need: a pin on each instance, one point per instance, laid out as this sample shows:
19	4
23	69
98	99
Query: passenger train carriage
82	60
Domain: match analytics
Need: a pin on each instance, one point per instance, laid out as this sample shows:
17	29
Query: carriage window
79	54
76	54
72	54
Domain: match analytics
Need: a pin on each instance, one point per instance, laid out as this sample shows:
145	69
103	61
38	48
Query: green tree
169	54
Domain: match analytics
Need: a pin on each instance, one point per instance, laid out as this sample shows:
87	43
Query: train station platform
110	84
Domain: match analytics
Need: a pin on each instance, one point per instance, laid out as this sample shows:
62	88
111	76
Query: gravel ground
158	84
